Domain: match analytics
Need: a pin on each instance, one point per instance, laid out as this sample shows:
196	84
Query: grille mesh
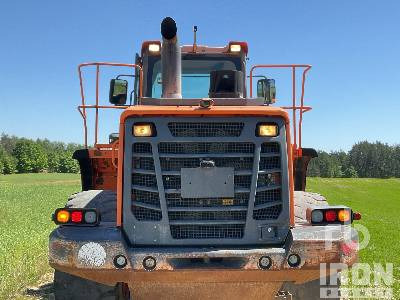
267	196
269	180
144	163
186	129
206	148
268	163
172	182
179	209
146	197
141	148
175	164
206	215
243	181
267	213
270	148
146	214
231	231
144	180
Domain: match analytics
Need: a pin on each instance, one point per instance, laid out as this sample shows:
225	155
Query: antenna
194	38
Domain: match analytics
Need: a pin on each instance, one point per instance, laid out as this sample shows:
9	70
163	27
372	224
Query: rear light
344	215
76	217
331	215
356	216
62	216
72	216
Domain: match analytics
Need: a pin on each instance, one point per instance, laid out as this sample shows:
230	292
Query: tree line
21	155
365	159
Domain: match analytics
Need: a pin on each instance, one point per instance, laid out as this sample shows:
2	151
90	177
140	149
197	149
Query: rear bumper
90	253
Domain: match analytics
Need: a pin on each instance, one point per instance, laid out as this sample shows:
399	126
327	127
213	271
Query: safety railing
83	107
296	107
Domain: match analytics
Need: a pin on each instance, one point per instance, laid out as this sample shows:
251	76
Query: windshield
195	74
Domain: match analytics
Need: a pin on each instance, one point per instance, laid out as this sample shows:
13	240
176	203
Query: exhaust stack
170	60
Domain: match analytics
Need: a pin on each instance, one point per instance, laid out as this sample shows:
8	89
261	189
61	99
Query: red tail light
76	217
330	216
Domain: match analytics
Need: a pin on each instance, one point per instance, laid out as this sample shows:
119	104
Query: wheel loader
201	193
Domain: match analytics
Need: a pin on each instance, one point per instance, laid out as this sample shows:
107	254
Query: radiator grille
270	180
267	213
143	163
205	218
186	129
140	196
175	164
229	231
205	148
145	197
146	214
206	215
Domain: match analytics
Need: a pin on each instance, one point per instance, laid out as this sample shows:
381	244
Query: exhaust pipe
170	60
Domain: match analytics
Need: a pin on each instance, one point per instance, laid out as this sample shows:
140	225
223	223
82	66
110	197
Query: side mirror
266	90
118	91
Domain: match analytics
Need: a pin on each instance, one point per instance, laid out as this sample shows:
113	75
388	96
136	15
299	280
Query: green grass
27	201
378	200
26	205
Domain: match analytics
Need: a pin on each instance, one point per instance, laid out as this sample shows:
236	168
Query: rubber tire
70	287
309	290
105	201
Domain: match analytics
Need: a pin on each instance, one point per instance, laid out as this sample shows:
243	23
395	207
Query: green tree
68	164
350	172
30	157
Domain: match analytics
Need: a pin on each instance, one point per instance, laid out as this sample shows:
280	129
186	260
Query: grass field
27	201
26	205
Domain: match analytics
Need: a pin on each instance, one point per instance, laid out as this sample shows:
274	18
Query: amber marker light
62	216
269	130
143	130
344	215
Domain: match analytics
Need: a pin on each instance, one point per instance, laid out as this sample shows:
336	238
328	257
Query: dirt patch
43	290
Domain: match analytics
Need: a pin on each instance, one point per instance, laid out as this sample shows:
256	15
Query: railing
295	107
82	108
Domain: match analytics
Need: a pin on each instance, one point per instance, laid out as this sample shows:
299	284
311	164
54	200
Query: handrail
82	108
297	138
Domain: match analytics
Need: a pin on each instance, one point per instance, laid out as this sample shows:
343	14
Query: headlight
143	130
270	130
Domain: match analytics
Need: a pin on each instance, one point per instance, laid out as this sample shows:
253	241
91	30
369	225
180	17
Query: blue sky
354	47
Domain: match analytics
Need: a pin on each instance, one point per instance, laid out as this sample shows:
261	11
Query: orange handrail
301	108
82	108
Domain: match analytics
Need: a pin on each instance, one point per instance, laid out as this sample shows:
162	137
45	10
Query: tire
303	200
309	290
70	287
105	202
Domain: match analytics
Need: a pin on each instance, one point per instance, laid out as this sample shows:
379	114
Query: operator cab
206	72
214	68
